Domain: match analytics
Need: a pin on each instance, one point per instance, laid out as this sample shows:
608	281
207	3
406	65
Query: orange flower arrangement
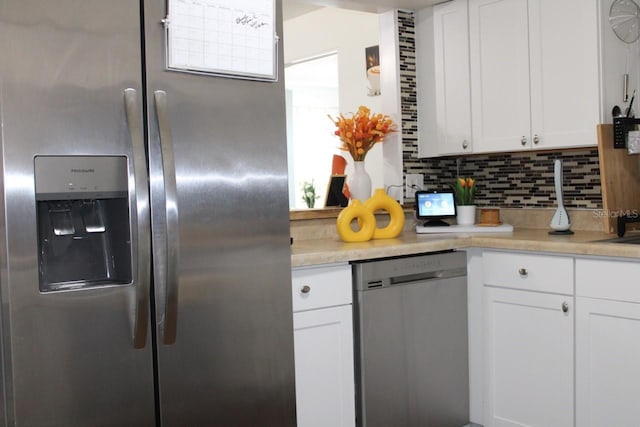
361	131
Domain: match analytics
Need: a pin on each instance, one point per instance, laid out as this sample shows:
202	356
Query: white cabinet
534	74
555	327
565	80
443	80
452	81
324	367
532	272
528	340
499	56
323	342
529	359
607	343
607	363
510	75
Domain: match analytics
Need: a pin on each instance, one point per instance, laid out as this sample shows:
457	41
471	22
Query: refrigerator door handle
142	257
170	318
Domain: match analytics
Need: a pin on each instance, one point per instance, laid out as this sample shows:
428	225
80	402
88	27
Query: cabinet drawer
614	280
317	287
545	273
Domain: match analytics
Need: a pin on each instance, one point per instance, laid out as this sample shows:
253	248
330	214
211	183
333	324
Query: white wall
618	58
349	33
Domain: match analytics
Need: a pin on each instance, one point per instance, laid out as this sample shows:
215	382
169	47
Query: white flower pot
466	215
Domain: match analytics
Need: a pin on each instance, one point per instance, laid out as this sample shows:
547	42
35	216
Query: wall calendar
232	38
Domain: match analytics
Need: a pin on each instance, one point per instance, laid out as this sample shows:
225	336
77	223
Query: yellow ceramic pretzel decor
382	201
364	214
366	219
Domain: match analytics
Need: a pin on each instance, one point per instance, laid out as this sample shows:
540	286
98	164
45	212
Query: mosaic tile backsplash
513	180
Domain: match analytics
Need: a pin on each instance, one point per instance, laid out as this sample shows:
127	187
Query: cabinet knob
523	272
523	141
465	144
305	289
536	139
565	307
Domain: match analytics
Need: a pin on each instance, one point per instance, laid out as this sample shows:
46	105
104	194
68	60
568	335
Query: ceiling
294	8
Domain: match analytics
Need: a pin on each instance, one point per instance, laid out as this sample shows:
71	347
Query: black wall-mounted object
621	127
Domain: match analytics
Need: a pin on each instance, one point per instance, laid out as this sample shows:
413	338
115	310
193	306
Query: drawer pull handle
523	272
305	289
565	307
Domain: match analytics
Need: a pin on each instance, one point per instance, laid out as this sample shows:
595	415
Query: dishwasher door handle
428	275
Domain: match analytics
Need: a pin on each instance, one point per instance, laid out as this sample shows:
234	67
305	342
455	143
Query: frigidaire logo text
76	170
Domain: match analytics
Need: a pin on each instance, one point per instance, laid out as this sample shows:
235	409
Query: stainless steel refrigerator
144	233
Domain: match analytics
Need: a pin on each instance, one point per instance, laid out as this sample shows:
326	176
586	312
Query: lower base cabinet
324	367
607	363
529	359
528	339
607	343
323	344
556	327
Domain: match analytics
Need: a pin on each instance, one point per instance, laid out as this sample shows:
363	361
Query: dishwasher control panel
373	274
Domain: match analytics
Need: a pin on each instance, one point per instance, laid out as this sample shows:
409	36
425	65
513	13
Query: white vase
359	182
466	215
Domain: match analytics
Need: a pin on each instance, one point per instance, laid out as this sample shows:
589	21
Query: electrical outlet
413	182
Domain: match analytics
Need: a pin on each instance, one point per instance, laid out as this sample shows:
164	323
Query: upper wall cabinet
443	80
501	100
451	70
534	73
521	74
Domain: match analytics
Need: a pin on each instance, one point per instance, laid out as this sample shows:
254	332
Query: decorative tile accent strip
512	180
408	93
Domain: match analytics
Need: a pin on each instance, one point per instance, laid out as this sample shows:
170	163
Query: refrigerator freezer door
232	360
140	306
70	357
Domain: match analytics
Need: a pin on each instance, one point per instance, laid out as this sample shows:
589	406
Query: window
312	95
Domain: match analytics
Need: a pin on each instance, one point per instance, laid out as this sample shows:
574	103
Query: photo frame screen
435	204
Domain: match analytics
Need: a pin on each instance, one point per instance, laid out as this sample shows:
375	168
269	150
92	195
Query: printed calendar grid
222	37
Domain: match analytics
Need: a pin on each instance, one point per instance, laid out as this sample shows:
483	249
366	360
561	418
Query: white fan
624	18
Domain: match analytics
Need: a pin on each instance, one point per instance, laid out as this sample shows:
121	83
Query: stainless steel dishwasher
411	341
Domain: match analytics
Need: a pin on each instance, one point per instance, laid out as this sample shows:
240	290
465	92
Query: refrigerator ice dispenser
84	236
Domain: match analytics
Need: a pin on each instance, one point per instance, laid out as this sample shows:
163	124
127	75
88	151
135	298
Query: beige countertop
332	250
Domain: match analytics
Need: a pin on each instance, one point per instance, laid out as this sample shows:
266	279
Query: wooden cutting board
619	178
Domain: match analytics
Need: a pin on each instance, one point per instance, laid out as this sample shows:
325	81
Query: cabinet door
453	91
607	363
529	359
499	54
564	73
323	342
